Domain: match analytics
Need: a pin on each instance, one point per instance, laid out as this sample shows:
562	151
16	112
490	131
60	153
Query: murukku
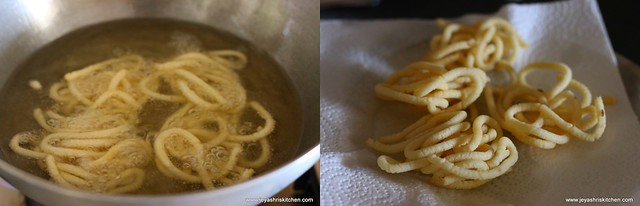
547	118
480	45
185	149
91	138
456	153
430	85
465	151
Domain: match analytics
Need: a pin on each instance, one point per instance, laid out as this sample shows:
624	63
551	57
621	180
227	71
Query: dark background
621	17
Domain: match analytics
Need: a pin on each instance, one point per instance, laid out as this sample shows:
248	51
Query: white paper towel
355	55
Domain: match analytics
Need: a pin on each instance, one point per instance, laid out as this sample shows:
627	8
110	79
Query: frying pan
285	30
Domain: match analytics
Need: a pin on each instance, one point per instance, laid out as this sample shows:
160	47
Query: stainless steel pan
287	30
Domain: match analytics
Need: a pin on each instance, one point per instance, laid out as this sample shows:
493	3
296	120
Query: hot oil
156	40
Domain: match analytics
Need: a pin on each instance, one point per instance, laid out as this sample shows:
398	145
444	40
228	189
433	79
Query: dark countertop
623	26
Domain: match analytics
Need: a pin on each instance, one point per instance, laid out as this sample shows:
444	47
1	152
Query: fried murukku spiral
547	118
480	45
430	85
456	153
466	154
91	138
